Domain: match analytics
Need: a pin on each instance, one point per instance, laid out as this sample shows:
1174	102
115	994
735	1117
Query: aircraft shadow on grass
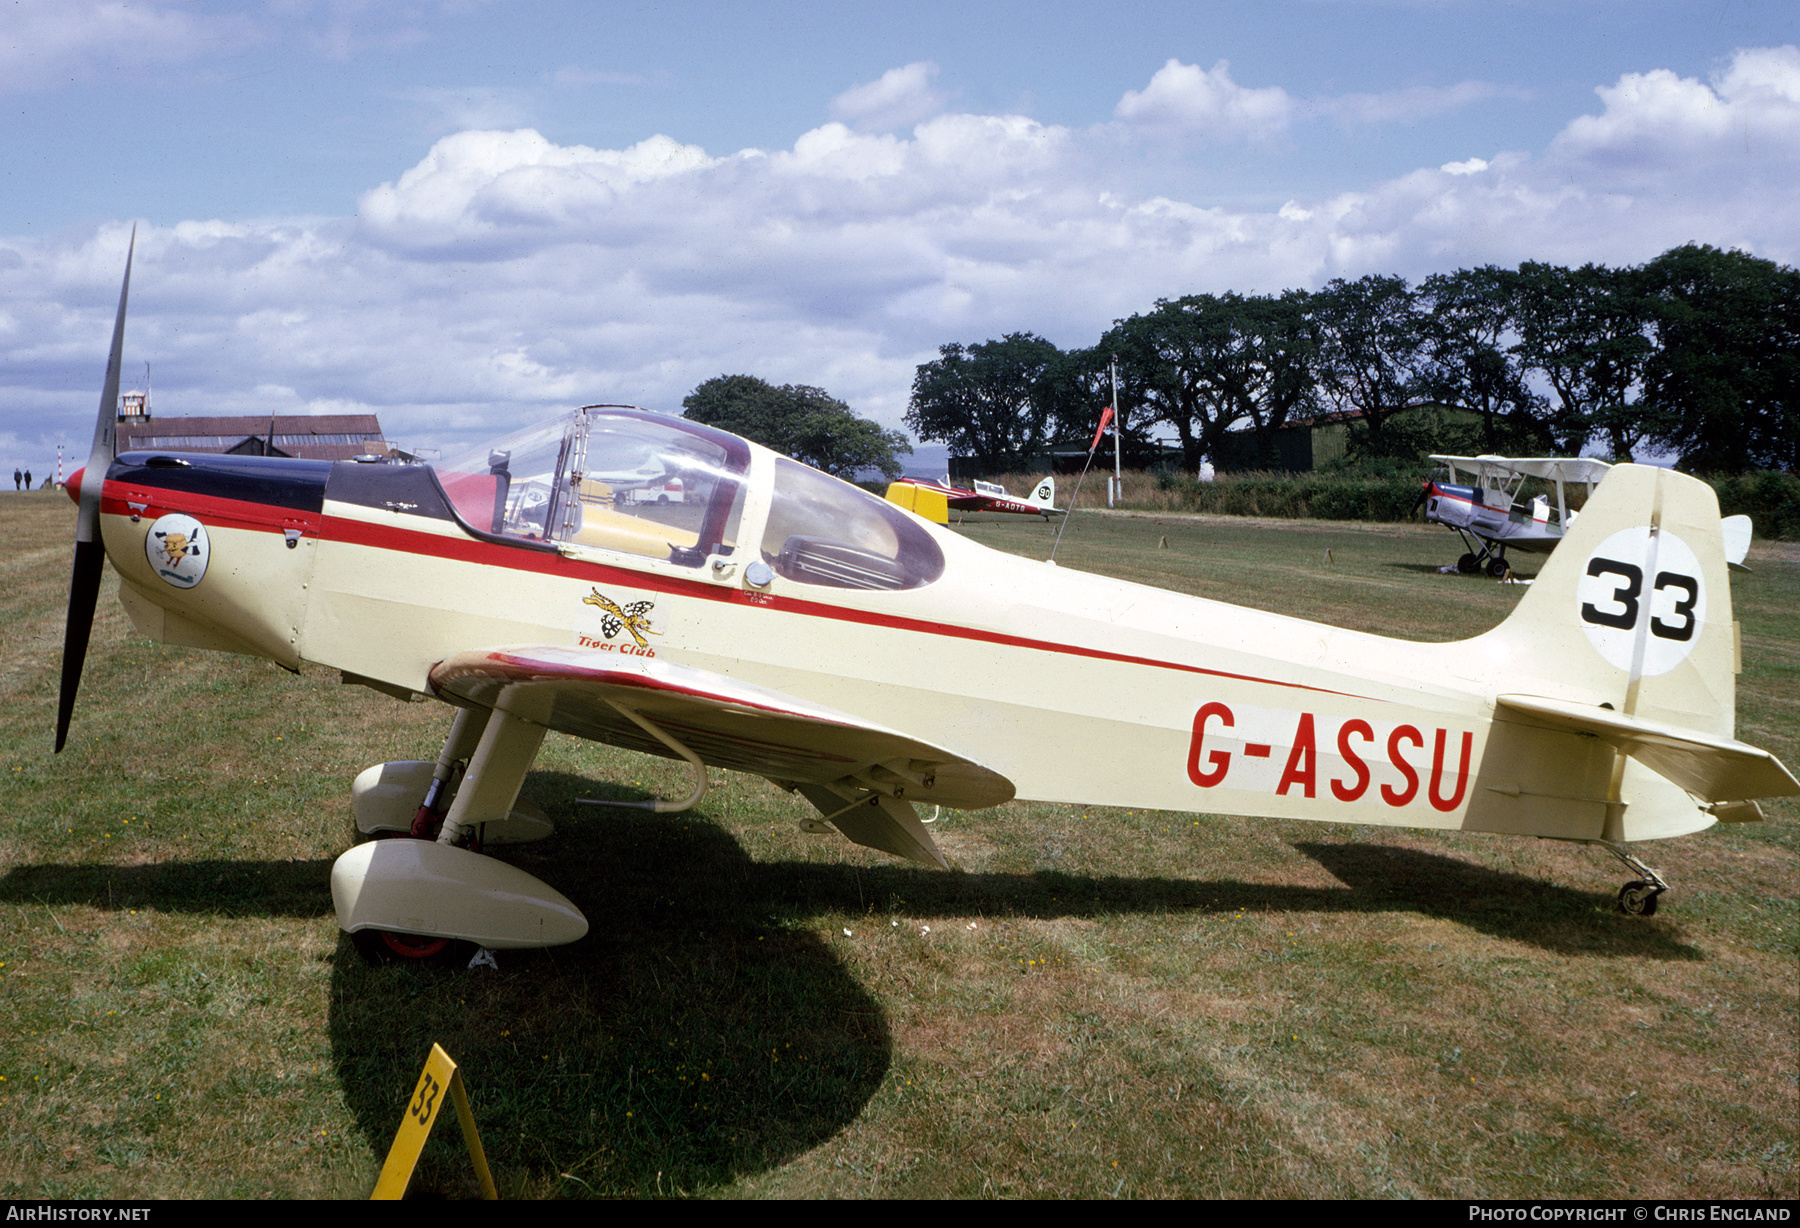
1432	569
696	1035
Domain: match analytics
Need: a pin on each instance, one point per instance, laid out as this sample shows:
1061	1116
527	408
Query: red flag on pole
1105	418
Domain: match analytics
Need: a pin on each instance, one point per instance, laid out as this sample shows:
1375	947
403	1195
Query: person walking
16	480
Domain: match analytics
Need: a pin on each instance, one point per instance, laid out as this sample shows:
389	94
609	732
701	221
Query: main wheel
1497	568
1469	564
388	946
1638	899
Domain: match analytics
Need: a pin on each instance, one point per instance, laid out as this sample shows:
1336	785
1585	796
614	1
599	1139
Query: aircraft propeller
90	551
1424	491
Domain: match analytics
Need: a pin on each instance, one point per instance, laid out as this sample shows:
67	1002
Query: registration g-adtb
646	581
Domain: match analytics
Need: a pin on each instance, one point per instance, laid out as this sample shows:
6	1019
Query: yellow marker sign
437	1081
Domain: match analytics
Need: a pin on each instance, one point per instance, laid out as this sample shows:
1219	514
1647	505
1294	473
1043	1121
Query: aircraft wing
1465	464
1549	468
1560	468
737	725
1711	768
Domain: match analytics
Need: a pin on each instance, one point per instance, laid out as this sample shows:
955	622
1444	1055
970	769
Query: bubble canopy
621	480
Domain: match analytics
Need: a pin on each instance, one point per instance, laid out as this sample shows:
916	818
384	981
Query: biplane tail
1626	636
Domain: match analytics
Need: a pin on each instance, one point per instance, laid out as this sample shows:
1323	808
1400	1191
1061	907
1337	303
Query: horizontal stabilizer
1712	769
1736	530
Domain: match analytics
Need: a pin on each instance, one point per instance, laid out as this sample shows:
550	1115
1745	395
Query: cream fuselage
1074	687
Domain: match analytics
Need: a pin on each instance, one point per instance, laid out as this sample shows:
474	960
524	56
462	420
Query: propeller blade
1420	501
90	551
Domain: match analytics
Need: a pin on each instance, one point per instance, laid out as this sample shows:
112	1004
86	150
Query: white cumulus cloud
1653	118
481	186
1209	104
46	43
899	98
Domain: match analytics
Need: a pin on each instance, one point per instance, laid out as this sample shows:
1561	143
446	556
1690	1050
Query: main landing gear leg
1637	898
465	734
507	746
1476	555
422	899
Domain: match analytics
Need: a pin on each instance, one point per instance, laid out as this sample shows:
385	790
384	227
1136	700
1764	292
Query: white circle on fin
178	548
1642	593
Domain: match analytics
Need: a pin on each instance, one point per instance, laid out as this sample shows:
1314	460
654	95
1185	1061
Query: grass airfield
1096	1003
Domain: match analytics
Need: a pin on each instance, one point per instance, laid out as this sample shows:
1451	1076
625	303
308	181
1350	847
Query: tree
1372	352
796	420
1586	331
1724	381
992	400
1207	364
1081	387
1472	367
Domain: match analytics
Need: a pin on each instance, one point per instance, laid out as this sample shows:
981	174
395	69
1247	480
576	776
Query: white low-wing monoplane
989	502
778	621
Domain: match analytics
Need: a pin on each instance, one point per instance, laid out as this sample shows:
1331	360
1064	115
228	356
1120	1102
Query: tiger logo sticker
178	548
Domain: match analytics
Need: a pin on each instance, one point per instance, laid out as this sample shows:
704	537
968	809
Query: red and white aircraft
781	622
943	503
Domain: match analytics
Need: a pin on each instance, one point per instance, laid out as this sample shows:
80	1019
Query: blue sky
466	216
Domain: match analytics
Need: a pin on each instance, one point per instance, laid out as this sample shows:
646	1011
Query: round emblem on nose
178	547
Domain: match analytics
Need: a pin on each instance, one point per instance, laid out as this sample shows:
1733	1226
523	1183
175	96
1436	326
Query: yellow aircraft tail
931	504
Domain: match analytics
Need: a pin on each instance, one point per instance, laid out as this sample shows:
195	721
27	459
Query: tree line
1695	353
798	420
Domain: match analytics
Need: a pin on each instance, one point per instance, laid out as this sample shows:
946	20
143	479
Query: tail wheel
1638	899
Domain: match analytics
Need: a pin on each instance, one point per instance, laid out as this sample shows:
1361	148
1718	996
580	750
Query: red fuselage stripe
122	499
235	513
545	563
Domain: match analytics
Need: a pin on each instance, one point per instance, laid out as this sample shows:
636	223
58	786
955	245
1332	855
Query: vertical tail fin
1614	680
1633	609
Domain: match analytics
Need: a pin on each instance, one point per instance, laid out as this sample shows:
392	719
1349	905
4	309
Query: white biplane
781	622
1488	517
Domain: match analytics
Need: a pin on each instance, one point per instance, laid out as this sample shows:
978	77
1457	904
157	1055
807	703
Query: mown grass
1096	1002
